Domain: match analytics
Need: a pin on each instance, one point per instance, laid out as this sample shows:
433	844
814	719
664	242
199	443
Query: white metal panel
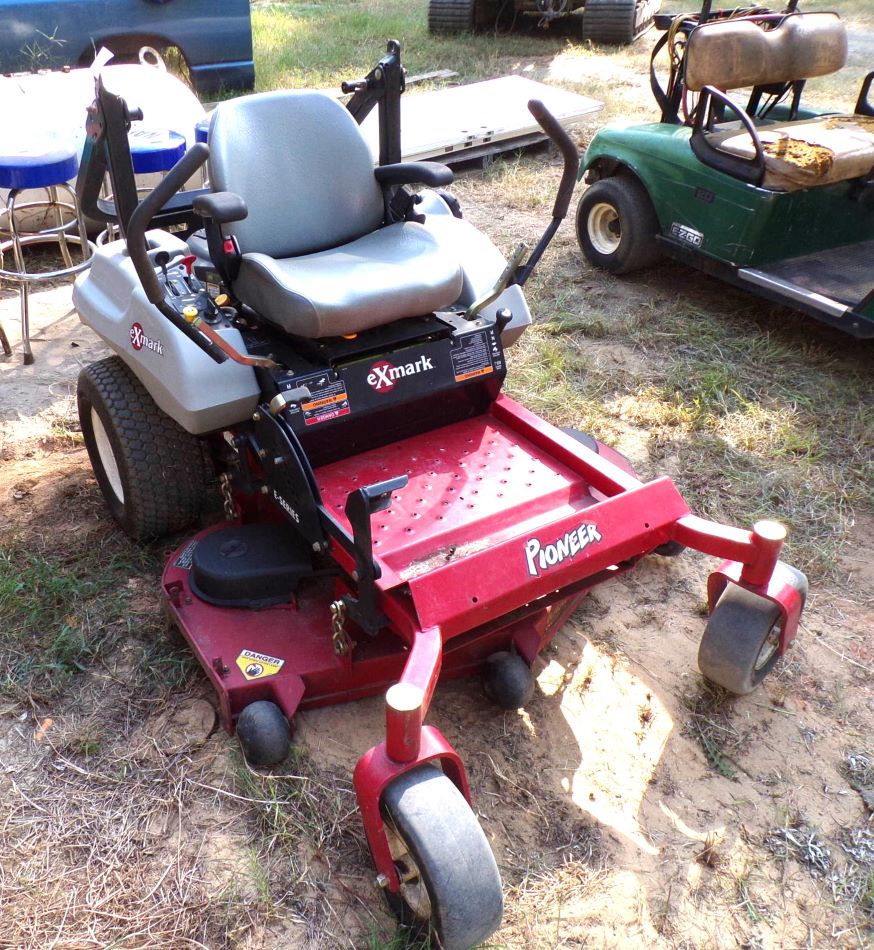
446	122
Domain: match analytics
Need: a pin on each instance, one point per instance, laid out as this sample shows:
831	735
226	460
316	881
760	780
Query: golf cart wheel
617	226
263	733
153	474
617	21
742	638
451	16
450	885
507	680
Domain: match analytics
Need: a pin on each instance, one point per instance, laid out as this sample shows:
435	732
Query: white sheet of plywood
448	122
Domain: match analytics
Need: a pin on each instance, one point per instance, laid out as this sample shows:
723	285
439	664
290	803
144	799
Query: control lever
361	504
162	259
501	284
281	401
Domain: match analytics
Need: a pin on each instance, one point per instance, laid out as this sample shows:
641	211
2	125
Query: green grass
319	44
61	611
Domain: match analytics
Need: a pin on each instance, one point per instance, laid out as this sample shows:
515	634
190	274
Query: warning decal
329	402
472	357
257	665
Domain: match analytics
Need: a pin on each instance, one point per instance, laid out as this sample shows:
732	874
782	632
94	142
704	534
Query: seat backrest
734	53
298	159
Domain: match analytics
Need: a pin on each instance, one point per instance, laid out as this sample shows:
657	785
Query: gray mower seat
316	259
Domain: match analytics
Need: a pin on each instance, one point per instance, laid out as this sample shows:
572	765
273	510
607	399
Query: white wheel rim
604	227
769	647
107	456
413	890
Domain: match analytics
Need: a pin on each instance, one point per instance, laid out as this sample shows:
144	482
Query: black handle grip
552	127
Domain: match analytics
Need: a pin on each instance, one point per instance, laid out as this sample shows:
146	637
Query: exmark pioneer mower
337	359
764	193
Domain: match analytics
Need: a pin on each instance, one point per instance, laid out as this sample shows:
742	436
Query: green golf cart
751	186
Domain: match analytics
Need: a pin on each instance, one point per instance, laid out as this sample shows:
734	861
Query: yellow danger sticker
257	665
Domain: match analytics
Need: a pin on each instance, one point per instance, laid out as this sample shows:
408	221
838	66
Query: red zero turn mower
333	348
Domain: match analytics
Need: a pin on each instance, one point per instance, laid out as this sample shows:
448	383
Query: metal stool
49	167
155	150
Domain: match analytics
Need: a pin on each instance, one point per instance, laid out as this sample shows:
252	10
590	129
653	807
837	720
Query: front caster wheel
507	680
742	638
450	883
263	733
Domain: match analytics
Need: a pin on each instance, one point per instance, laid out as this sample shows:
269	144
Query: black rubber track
612	21
165	475
451	16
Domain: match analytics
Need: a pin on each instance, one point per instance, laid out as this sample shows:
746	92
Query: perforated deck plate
471	485
447	123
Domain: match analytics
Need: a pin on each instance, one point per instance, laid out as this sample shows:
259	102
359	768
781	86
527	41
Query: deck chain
339	637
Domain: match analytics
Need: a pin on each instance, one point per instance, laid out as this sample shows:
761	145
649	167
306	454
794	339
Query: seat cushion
808	152
398	271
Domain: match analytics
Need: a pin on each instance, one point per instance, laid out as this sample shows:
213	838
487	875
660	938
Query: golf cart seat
318	252
773	53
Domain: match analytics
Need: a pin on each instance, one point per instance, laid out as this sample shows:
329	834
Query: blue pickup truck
213	36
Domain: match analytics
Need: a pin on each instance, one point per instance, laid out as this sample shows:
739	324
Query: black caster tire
450	885
264	734
741	640
589	441
155	477
617	226
669	549
507	680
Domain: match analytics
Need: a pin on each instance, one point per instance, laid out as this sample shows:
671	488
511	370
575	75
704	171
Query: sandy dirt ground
613	823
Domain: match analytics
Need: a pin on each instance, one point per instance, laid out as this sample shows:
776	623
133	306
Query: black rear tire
451	16
156	477
617	225
450	882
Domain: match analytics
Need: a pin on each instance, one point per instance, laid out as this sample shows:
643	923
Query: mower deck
499	512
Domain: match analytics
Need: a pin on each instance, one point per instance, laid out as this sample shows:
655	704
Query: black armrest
432	174
750	170
222	207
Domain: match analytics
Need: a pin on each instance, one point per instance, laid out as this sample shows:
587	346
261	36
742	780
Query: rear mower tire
617	225
741	640
450	883
264	734
154	475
